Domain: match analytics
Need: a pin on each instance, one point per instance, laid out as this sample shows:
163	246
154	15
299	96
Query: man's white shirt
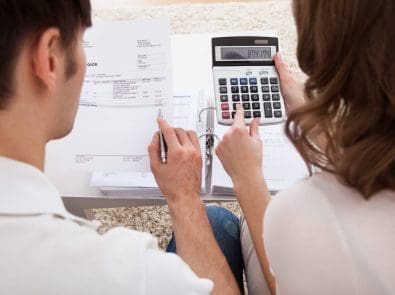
46	250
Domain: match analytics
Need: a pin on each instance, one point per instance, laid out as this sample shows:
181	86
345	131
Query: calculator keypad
260	98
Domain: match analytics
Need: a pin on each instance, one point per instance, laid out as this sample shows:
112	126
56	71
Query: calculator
244	73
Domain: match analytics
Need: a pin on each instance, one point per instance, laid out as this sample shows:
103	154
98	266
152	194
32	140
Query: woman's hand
291	88
240	151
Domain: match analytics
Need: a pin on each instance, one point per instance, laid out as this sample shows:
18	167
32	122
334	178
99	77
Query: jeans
225	226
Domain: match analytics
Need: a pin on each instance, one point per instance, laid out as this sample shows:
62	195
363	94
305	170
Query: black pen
163	150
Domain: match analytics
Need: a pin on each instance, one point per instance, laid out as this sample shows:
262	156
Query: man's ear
47	57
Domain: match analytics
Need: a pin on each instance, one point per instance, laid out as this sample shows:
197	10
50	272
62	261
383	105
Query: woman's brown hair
347	49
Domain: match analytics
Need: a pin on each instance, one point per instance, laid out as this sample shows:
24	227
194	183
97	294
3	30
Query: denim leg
225	226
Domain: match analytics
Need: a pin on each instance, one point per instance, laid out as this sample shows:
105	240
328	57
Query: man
46	250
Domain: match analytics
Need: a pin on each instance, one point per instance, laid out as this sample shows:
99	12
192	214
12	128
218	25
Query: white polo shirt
46	250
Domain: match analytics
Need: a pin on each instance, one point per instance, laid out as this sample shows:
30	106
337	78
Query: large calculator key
235	106
265	89
253	81
225	115
223	89
224	98
274	81
275	89
255	97
247	114
245	97
256	105
234	81
244	89
254	89
257	114
276	97
246	106
266	97
264	81
243	81
233	115
222	81
278	114
225	106
277	105
235	89
235	97
267	106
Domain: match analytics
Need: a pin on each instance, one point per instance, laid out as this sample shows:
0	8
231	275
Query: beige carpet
198	18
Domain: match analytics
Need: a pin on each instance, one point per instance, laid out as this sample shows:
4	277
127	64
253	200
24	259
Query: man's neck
22	139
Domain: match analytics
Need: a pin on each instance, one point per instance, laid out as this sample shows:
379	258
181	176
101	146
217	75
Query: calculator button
276	97
235	97
247	115
224	98
267	106
255	97
256	105
225	115
273	81
253	81
243	81
254	89
275	89
245	97
234	81
266	97
277	105
233	115
225	106
235	106
246	106
278	114
222	81
265	89
223	89
235	89
244	89
257	114
264	81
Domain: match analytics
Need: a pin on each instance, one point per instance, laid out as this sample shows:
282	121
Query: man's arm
180	182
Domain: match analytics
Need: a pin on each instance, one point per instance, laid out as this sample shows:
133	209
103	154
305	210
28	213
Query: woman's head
347	49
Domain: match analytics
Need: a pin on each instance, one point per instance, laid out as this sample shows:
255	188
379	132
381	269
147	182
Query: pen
163	148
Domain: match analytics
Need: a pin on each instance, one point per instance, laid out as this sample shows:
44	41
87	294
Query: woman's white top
322	237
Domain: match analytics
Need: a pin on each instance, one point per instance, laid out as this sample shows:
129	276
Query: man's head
42	62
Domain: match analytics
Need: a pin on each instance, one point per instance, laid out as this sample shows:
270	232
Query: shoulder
303	240
118	262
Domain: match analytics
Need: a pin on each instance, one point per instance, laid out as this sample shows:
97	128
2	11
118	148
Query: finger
254	127
281	66
169	134
194	139
154	151
239	117
182	137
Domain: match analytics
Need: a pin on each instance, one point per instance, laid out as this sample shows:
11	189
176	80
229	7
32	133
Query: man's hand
181	177
291	88
240	150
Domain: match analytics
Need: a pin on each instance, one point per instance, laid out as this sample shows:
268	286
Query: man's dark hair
22	20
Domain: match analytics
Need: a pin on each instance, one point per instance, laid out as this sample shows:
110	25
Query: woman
333	233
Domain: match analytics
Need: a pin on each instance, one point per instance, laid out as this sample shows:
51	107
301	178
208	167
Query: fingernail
280	55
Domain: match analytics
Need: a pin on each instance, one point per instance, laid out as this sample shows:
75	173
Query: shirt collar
25	190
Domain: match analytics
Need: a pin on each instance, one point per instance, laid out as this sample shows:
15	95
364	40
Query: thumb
281	66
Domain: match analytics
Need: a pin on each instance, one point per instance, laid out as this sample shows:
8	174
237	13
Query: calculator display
242	53
254	53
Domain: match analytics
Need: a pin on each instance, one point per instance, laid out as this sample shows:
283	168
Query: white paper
128	78
282	165
186	106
